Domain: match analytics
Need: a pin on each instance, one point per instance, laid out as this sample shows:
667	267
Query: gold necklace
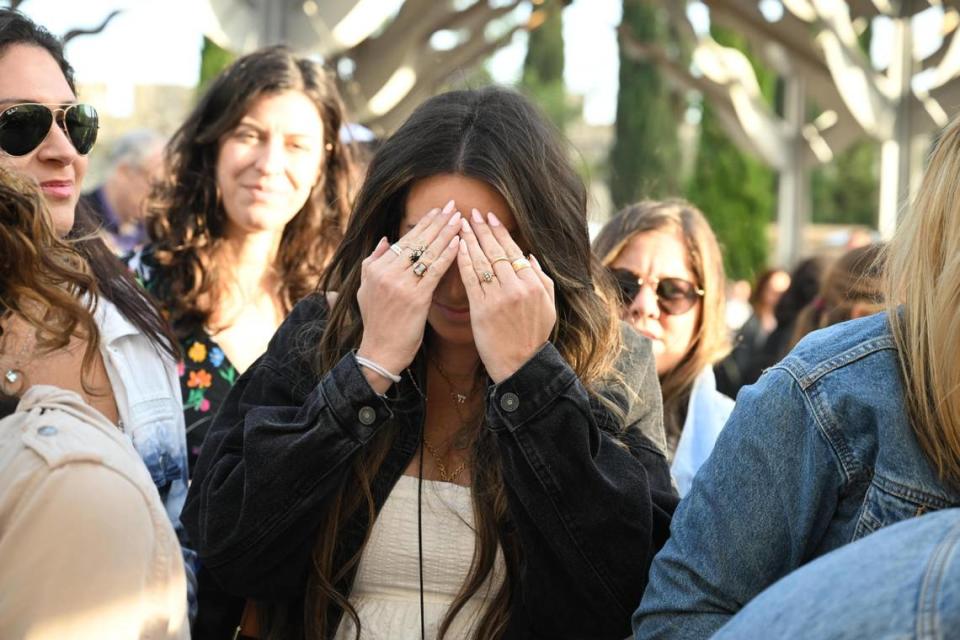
442	468
462	439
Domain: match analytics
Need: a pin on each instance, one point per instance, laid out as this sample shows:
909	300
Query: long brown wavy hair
186	217
711	341
43	279
496	136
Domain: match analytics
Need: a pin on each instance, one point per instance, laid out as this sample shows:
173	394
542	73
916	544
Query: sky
153	42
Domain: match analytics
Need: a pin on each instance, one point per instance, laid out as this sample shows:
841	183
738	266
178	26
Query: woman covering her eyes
452	446
857	428
253	205
130	375
667	266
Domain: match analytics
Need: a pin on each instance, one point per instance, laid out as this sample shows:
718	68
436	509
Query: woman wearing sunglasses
856	429
44	137
667	267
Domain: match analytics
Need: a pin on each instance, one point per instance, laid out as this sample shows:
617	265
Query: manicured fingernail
433	212
454	219
477	217
447	208
533	259
493	220
465	226
454	241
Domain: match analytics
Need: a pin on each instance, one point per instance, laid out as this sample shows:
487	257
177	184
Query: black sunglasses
24	126
675	296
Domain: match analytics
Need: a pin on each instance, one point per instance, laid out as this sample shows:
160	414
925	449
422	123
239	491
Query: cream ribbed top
386	591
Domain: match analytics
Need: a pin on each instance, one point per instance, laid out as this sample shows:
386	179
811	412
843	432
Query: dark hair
804	284
114	281
856	278
188	223
495	136
16	28
759	288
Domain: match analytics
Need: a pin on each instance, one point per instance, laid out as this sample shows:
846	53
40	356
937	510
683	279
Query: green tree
734	190
846	190
213	60
542	78
645	156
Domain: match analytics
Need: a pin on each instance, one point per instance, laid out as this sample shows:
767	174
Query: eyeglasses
24	126
675	296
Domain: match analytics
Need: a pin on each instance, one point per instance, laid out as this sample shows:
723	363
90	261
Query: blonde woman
665	261
856	429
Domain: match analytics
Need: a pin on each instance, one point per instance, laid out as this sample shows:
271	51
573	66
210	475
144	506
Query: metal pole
793	200
895	154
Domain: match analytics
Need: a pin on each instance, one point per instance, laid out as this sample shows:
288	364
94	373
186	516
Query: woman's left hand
512	308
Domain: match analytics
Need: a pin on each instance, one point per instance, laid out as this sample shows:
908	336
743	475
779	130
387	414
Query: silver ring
420	268
396	249
486	276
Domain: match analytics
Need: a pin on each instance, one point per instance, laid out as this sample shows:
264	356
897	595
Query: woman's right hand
394	300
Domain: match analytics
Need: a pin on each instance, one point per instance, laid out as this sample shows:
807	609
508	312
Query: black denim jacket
588	513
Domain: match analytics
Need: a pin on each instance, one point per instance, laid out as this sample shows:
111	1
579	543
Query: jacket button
509	402
47	431
367	415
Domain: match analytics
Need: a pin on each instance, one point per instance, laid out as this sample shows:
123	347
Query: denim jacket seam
927	624
807	374
850	467
904	492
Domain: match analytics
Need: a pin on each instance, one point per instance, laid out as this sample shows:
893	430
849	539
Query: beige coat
86	548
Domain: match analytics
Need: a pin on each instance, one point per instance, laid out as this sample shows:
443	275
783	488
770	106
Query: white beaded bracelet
373	366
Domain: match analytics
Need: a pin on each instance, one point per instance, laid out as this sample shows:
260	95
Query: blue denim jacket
818	453
909	573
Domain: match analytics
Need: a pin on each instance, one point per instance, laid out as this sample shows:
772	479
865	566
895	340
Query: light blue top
816	454
707	412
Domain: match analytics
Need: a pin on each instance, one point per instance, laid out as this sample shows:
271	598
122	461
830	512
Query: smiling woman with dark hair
452	446
253	205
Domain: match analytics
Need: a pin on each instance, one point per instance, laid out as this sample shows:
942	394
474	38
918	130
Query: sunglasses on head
675	296
24	126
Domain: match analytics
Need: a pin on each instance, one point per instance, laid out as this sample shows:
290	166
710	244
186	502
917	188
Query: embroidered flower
197	352
200	379
205	405
216	356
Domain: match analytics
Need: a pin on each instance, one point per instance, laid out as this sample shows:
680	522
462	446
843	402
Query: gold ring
486	276
420	268
498	259
520	263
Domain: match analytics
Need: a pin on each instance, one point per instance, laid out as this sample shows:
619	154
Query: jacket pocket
884	505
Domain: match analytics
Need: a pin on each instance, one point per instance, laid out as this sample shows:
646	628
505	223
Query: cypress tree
542	78
645	156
